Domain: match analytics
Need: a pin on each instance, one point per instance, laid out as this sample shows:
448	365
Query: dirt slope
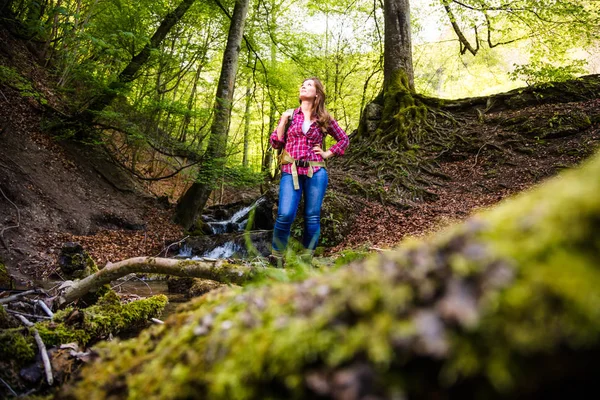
51	190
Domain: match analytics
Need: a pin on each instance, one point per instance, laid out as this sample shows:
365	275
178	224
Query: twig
25	321
166	249
3	95
9	388
44	354
477	155
14	297
10	227
42	347
17	313
44	307
157	321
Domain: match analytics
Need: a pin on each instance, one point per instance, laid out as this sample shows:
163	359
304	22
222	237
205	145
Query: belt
287	159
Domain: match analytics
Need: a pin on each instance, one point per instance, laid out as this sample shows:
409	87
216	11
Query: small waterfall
226	237
224	251
236	222
184	252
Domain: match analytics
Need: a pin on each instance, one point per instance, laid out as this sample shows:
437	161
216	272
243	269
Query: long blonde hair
318	109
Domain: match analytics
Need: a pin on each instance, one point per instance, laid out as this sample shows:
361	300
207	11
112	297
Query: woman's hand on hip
325	154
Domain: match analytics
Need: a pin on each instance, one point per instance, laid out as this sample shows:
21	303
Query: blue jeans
313	190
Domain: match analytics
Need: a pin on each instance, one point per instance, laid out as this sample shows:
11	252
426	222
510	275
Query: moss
14	79
6	280
108	316
75	262
7	320
492	306
16	346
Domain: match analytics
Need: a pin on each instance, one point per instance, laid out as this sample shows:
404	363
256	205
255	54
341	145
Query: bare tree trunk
194	200
398	46
247	120
268	157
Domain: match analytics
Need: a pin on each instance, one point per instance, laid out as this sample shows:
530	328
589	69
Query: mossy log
579	89
505	305
215	270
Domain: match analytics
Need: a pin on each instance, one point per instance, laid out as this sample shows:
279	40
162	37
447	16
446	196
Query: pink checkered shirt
299	144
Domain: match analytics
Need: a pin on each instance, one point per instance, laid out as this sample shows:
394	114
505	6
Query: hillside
55	190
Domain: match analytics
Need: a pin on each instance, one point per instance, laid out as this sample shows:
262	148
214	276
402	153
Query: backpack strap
292	112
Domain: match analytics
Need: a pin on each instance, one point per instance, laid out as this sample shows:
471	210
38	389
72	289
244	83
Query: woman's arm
277	135
340	136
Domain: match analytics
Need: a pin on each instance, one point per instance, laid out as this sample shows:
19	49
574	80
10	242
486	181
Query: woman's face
308	91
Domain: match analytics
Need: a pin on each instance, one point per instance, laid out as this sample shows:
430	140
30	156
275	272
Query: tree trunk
194	200
398	46
247	116
267	165
138	61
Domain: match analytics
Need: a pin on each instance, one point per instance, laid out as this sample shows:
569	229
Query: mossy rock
15	344
505	305
7	321
337	216
75	262
6	281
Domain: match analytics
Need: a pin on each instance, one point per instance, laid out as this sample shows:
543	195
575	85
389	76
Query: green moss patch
108	316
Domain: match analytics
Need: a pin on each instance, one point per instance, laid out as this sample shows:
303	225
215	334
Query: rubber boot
307	256
276	259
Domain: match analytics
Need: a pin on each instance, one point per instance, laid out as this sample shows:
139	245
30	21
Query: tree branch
464	42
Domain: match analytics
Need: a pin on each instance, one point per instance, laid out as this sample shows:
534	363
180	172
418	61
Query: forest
140	195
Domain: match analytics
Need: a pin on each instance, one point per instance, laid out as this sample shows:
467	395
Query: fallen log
217	270
505	305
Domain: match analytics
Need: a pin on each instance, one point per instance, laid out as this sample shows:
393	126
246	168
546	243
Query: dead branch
17	296
41	347
166	249
215	270
17	313
44	354
25	321
9	388
44	307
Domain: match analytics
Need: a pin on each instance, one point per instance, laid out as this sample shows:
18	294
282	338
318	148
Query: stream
229	234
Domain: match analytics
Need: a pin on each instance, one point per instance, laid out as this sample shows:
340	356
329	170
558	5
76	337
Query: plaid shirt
300	145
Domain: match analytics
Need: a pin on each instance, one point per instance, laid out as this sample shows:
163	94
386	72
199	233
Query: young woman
303	170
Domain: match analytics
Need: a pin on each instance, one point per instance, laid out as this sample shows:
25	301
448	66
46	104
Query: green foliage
237	175
537	72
